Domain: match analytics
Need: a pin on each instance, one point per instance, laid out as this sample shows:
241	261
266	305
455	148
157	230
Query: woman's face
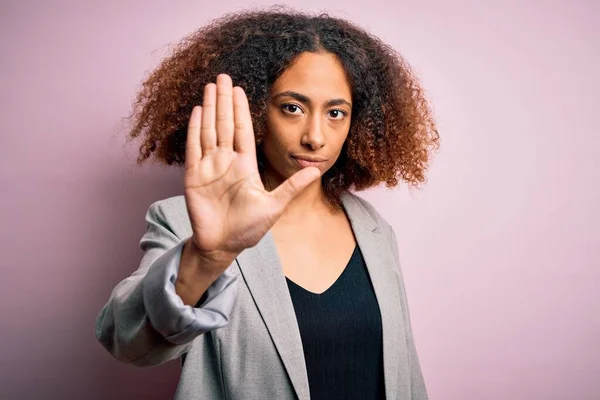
308	116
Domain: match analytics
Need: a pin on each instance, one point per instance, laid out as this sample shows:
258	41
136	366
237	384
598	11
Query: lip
308	161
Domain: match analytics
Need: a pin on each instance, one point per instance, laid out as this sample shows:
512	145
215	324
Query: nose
313	136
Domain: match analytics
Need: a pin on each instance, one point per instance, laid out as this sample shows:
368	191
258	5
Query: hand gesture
228	206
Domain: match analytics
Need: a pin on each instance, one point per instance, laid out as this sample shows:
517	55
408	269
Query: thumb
294	185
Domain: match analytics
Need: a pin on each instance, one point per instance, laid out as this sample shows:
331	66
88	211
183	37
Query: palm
227	203
228	206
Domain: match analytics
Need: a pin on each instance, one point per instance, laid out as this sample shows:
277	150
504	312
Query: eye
291	109
337	114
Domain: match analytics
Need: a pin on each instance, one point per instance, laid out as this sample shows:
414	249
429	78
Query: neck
310	202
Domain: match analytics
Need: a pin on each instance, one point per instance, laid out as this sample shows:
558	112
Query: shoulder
361	210
171	213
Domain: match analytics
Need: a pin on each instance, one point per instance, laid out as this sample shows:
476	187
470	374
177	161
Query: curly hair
392	131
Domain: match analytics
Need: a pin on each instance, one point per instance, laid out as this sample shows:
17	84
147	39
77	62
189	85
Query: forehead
319	76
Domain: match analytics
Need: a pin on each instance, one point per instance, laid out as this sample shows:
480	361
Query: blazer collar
358	213
261	270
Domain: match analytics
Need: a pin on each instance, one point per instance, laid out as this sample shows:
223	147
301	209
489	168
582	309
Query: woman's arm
145	322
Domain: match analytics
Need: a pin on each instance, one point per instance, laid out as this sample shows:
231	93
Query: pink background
500	250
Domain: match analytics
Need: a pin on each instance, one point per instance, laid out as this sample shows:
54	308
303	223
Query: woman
268	277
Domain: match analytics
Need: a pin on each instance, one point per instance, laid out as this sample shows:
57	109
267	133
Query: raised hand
228	206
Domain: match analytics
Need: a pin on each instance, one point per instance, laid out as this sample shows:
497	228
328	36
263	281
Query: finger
193	150
208	134
293	186
244	140
224	111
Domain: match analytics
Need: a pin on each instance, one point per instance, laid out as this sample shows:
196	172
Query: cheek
273	138
341	136
274	143
279	134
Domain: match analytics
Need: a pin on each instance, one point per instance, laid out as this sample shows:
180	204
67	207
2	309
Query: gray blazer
243	341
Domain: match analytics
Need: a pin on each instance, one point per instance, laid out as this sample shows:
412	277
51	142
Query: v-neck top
341	335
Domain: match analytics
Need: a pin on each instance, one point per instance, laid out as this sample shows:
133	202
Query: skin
309	116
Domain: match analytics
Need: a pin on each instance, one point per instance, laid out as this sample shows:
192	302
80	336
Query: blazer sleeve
145	322
417	383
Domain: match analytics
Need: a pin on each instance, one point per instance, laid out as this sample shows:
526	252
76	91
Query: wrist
197	265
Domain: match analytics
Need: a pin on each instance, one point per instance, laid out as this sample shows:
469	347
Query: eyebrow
303	99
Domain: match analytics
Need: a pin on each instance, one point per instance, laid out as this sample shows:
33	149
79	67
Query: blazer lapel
380	263
261	269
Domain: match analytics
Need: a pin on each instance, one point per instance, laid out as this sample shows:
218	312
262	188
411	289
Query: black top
342	336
